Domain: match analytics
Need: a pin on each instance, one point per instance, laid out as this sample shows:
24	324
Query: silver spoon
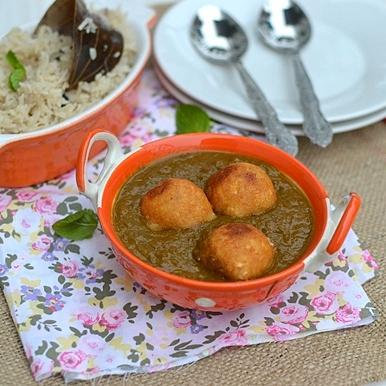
221	40
284	27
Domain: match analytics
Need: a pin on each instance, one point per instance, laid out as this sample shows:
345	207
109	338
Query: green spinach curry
289	225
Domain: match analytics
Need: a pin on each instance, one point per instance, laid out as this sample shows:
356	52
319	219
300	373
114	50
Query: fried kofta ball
240	190
176	203
237	251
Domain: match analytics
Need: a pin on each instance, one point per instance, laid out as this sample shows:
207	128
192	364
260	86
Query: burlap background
355	161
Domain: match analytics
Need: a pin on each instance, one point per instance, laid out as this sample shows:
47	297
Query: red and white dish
330	228
21	154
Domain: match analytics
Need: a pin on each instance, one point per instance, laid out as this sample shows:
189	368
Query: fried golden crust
176	203
238	251
241	190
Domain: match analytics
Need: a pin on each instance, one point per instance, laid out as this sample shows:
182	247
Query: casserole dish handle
344	216
341	221
113	156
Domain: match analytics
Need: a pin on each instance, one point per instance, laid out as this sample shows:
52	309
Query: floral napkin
79	314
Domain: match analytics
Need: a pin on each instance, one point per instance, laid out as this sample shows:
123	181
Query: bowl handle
113	156
344	215
342	218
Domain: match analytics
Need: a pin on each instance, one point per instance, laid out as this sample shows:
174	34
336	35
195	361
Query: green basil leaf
191	119
18	73
77	226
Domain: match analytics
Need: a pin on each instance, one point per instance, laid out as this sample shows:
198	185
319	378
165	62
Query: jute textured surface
356	161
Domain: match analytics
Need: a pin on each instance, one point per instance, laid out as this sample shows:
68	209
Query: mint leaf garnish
77	226
191	119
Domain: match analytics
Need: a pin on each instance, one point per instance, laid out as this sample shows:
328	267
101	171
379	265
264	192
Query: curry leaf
18	73
191	119
77	226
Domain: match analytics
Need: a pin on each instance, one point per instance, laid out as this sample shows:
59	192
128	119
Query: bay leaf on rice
97	46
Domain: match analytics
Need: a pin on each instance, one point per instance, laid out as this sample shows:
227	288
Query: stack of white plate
345	58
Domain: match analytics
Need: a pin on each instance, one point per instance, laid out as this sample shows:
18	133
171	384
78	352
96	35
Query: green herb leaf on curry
191	119
77	226
18	73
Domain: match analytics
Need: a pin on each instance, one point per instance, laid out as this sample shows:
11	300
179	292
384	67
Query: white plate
346	60
255	126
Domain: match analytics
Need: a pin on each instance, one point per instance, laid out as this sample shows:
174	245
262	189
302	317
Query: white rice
41	100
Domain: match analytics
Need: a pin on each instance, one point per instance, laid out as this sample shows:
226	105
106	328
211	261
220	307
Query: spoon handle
277	134
315	125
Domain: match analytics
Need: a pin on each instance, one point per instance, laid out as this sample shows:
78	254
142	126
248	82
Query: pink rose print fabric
347	314
88	318
281	331
4	202
79	314
325	303
293	314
